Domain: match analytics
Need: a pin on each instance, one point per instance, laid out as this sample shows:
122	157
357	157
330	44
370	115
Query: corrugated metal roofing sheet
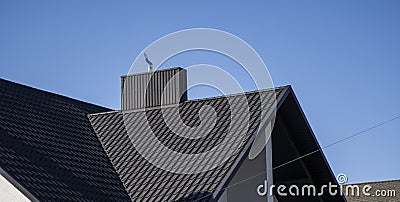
145	181
49	147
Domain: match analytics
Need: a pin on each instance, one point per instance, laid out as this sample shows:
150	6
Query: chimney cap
159	70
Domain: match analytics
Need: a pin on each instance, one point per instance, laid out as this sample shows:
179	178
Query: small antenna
148	62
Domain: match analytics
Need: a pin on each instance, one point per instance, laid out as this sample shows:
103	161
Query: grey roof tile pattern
146	182
49	147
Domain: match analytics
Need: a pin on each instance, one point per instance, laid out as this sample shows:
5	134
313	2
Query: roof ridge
194	100
51	93
237	94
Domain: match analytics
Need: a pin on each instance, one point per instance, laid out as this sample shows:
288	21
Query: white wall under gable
10	193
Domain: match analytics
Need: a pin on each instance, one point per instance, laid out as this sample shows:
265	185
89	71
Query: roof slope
48	146
387	190
146	182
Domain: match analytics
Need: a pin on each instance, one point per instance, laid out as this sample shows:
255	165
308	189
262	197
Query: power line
308	154
339	141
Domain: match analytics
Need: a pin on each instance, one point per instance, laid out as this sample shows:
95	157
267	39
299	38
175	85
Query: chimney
135	96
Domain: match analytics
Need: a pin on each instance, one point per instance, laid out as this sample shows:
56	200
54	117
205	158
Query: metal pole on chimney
150	68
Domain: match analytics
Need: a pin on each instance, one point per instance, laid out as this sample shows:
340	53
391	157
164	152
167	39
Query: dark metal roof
146	182
48	147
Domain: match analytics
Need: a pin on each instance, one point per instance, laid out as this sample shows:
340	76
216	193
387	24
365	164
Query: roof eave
17	185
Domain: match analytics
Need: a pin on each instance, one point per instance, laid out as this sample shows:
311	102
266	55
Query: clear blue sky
341	57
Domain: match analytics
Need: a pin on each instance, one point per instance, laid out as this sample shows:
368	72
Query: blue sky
341	57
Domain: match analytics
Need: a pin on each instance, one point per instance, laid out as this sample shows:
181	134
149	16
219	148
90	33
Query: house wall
243	186
10	193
